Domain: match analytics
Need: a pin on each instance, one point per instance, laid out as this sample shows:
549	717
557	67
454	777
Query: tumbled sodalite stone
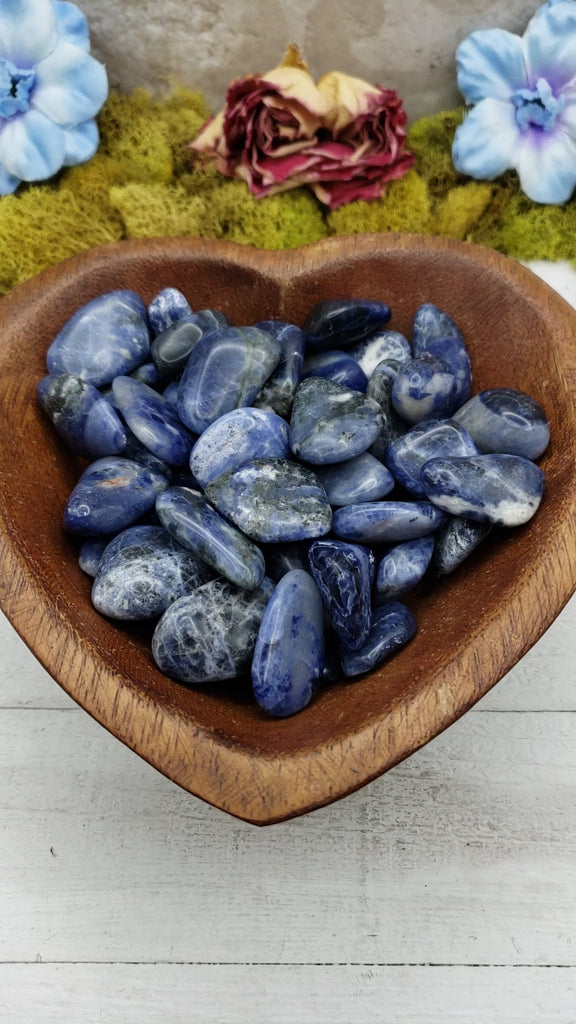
331	423
455	541
152	421
277	394
166	308
238	437
225	371
430	323
171	350
342	573
273	500
361	479
209	635
138	452
146	374
107	337
502	489
289	655
393	626
506	420
90	554
338	323
383	346
170	395
338	366
383	522
198	527
427	440
142	571
380	390
82	416
425	389
281	558
111	495
402	567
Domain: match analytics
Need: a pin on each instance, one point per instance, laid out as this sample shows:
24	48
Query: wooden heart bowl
473	625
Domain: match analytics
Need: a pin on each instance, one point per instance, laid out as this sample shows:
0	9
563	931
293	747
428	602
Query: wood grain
473	627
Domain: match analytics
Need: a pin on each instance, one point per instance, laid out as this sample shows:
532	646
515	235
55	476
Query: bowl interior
473	625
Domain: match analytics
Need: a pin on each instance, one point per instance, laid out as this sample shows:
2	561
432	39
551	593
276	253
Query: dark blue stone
209	635
385	346
146	374
339	323
142	571
82	416
383	522
430	323
427	440
342	573
402	567
152	421
90	554
292	624
281	558
238	437
170	395
331	423
111	495
380	390
502	489
506	420
426	389
338	366
273	500
166	308
107	337
225	371
171	350
198	527
393	626
138	452
277	394
455	541
361	479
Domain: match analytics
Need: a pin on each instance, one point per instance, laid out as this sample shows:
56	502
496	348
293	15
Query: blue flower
524	91
50	90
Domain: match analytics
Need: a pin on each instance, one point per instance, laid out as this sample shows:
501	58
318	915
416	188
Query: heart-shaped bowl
473	625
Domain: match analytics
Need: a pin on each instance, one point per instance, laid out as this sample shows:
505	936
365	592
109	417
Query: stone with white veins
502	489
331	423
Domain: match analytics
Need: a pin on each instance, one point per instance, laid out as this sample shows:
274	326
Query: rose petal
295	84
348	97
27	31
490	64
80	143
71	25
547	165
31	146
549	45
71	86
486	144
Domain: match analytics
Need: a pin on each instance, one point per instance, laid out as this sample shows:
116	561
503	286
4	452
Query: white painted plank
215	994
23	681
463	854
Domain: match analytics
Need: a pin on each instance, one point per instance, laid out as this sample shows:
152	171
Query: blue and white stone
277	394
502	489
339	323
430	323
425	389
333	364
170	395
342	574
393	626
506	420
152	421
289	655
384	346
107	337
90	553
111	494
456	541
361	479
331	423
86	422
273	500
402	567
167	308
189	518
384	522
380	390
142	571
209	635
225	371
138	452
430	439
171	350
237	437
281	558
147	374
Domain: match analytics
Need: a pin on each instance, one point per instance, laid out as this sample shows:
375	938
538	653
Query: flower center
16	85
537	108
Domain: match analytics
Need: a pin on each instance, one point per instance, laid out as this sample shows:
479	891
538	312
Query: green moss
405	206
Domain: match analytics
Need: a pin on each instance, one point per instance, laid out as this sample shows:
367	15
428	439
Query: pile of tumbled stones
239	497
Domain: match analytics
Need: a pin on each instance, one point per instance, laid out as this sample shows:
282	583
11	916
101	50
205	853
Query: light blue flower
524	91
50	90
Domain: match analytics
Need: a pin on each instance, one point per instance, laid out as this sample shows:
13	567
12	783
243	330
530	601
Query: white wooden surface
443	892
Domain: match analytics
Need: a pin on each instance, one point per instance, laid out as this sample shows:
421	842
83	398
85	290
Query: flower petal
550	45
547	166
80	143
71	86
347	97
486	143
490	63
71	25
31	146
8	183
27	31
